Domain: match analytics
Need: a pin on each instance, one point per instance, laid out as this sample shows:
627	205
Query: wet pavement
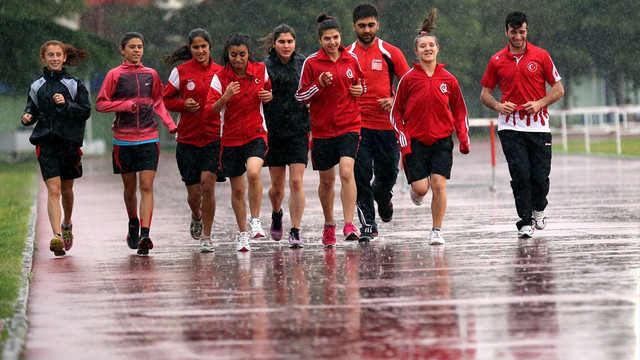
571	292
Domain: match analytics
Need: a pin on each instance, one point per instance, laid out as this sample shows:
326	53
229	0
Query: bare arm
487	100
554	94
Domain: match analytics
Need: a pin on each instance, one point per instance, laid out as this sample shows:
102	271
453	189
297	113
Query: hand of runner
265	96
386	103
26	118
356	90
191	105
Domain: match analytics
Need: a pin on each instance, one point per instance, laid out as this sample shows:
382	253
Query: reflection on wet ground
571	292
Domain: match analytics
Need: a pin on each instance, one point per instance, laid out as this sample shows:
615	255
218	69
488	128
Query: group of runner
340	104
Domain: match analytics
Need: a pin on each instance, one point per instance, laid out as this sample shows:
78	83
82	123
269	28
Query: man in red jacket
378	154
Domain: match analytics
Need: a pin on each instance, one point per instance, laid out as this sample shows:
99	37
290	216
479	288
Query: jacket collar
251	70
273	56
129	66
197	64
48	74
439	67
322	55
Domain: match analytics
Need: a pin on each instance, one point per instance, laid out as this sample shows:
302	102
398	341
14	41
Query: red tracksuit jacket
429	108
334	111
192	80
242	117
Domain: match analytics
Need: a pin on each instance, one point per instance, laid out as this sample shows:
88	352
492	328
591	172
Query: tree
21	61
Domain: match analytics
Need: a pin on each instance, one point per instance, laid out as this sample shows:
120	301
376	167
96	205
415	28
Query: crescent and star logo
443	88
533	67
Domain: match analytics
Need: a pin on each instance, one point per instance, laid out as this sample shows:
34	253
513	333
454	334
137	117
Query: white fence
601	120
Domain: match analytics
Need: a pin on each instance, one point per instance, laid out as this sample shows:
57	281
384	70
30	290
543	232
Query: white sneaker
417	199
243	242
540	221
256	228
206	245
435	237
525	231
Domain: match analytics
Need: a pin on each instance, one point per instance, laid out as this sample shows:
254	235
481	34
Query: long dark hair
74	55
184	52
326	22
268	41
428	24
236	39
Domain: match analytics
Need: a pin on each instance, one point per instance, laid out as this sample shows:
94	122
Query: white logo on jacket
533	67
443	88
349	73
191	85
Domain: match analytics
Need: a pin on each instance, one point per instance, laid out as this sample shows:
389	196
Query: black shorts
326	153
193	160
288	151
134	158
233	160
426	160
59	157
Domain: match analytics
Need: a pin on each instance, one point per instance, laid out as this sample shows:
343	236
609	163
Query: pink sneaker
329	234
351	232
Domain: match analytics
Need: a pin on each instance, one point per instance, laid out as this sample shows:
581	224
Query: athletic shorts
326	153
426	160
193	160
134	158
59	157
234	158
288	151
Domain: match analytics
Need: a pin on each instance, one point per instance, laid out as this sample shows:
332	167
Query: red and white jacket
379	63
242	117
192	80
334	111
429	108
522	78
130	84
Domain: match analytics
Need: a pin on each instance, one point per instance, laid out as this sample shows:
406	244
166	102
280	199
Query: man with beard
378	155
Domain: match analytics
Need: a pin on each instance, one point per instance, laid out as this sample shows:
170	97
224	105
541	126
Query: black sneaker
386	211
276	225
132	236
144	245
368	233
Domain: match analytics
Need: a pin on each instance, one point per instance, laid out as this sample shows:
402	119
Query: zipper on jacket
137	105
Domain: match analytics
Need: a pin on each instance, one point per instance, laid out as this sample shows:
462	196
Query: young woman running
58	105
427	109
237	93
198	148
330	82
134	92
288	124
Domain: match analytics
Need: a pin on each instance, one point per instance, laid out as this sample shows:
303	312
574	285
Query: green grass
630	146
16	185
